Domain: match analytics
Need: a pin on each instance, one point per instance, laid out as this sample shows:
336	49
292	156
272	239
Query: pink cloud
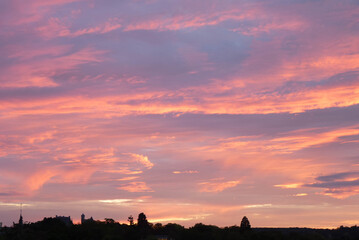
217	185
110	25
56	27
40	72
178	22
341	193
136	187
185	172
38	179
141	159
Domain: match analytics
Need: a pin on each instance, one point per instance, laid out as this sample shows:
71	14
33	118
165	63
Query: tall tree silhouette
245	225
143	225
142	220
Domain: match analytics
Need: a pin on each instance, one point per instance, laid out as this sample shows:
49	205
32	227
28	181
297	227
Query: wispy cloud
136	187
217	185
338	185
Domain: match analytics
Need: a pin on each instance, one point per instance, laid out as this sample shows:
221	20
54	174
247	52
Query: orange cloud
127	178
42	137
124	202
341	193
141	159
38	179
136	187
124	170
290	185
300	140
57	174
300	194
77	175
151	102
185	172
294	141
336	64
217	185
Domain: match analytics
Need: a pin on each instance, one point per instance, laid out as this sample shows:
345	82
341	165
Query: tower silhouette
83	218
21	221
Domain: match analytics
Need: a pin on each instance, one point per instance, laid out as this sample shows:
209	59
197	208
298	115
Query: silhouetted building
84	220
0	225
66	220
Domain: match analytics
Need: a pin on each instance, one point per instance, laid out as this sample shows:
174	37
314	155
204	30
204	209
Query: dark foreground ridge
62	228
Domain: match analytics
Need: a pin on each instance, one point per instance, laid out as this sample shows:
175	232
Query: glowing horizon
190	112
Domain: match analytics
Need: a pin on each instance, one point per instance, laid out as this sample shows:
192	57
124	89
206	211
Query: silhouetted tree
130	219
157	226
142	221
245	225
56	229
143	225
109	221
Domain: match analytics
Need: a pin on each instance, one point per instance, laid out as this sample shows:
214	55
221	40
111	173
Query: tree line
56	229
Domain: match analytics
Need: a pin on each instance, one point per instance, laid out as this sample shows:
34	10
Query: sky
189	111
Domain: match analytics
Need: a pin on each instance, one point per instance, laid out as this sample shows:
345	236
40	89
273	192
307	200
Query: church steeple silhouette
21	221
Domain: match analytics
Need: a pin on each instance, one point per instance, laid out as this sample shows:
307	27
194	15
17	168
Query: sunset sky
187	110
